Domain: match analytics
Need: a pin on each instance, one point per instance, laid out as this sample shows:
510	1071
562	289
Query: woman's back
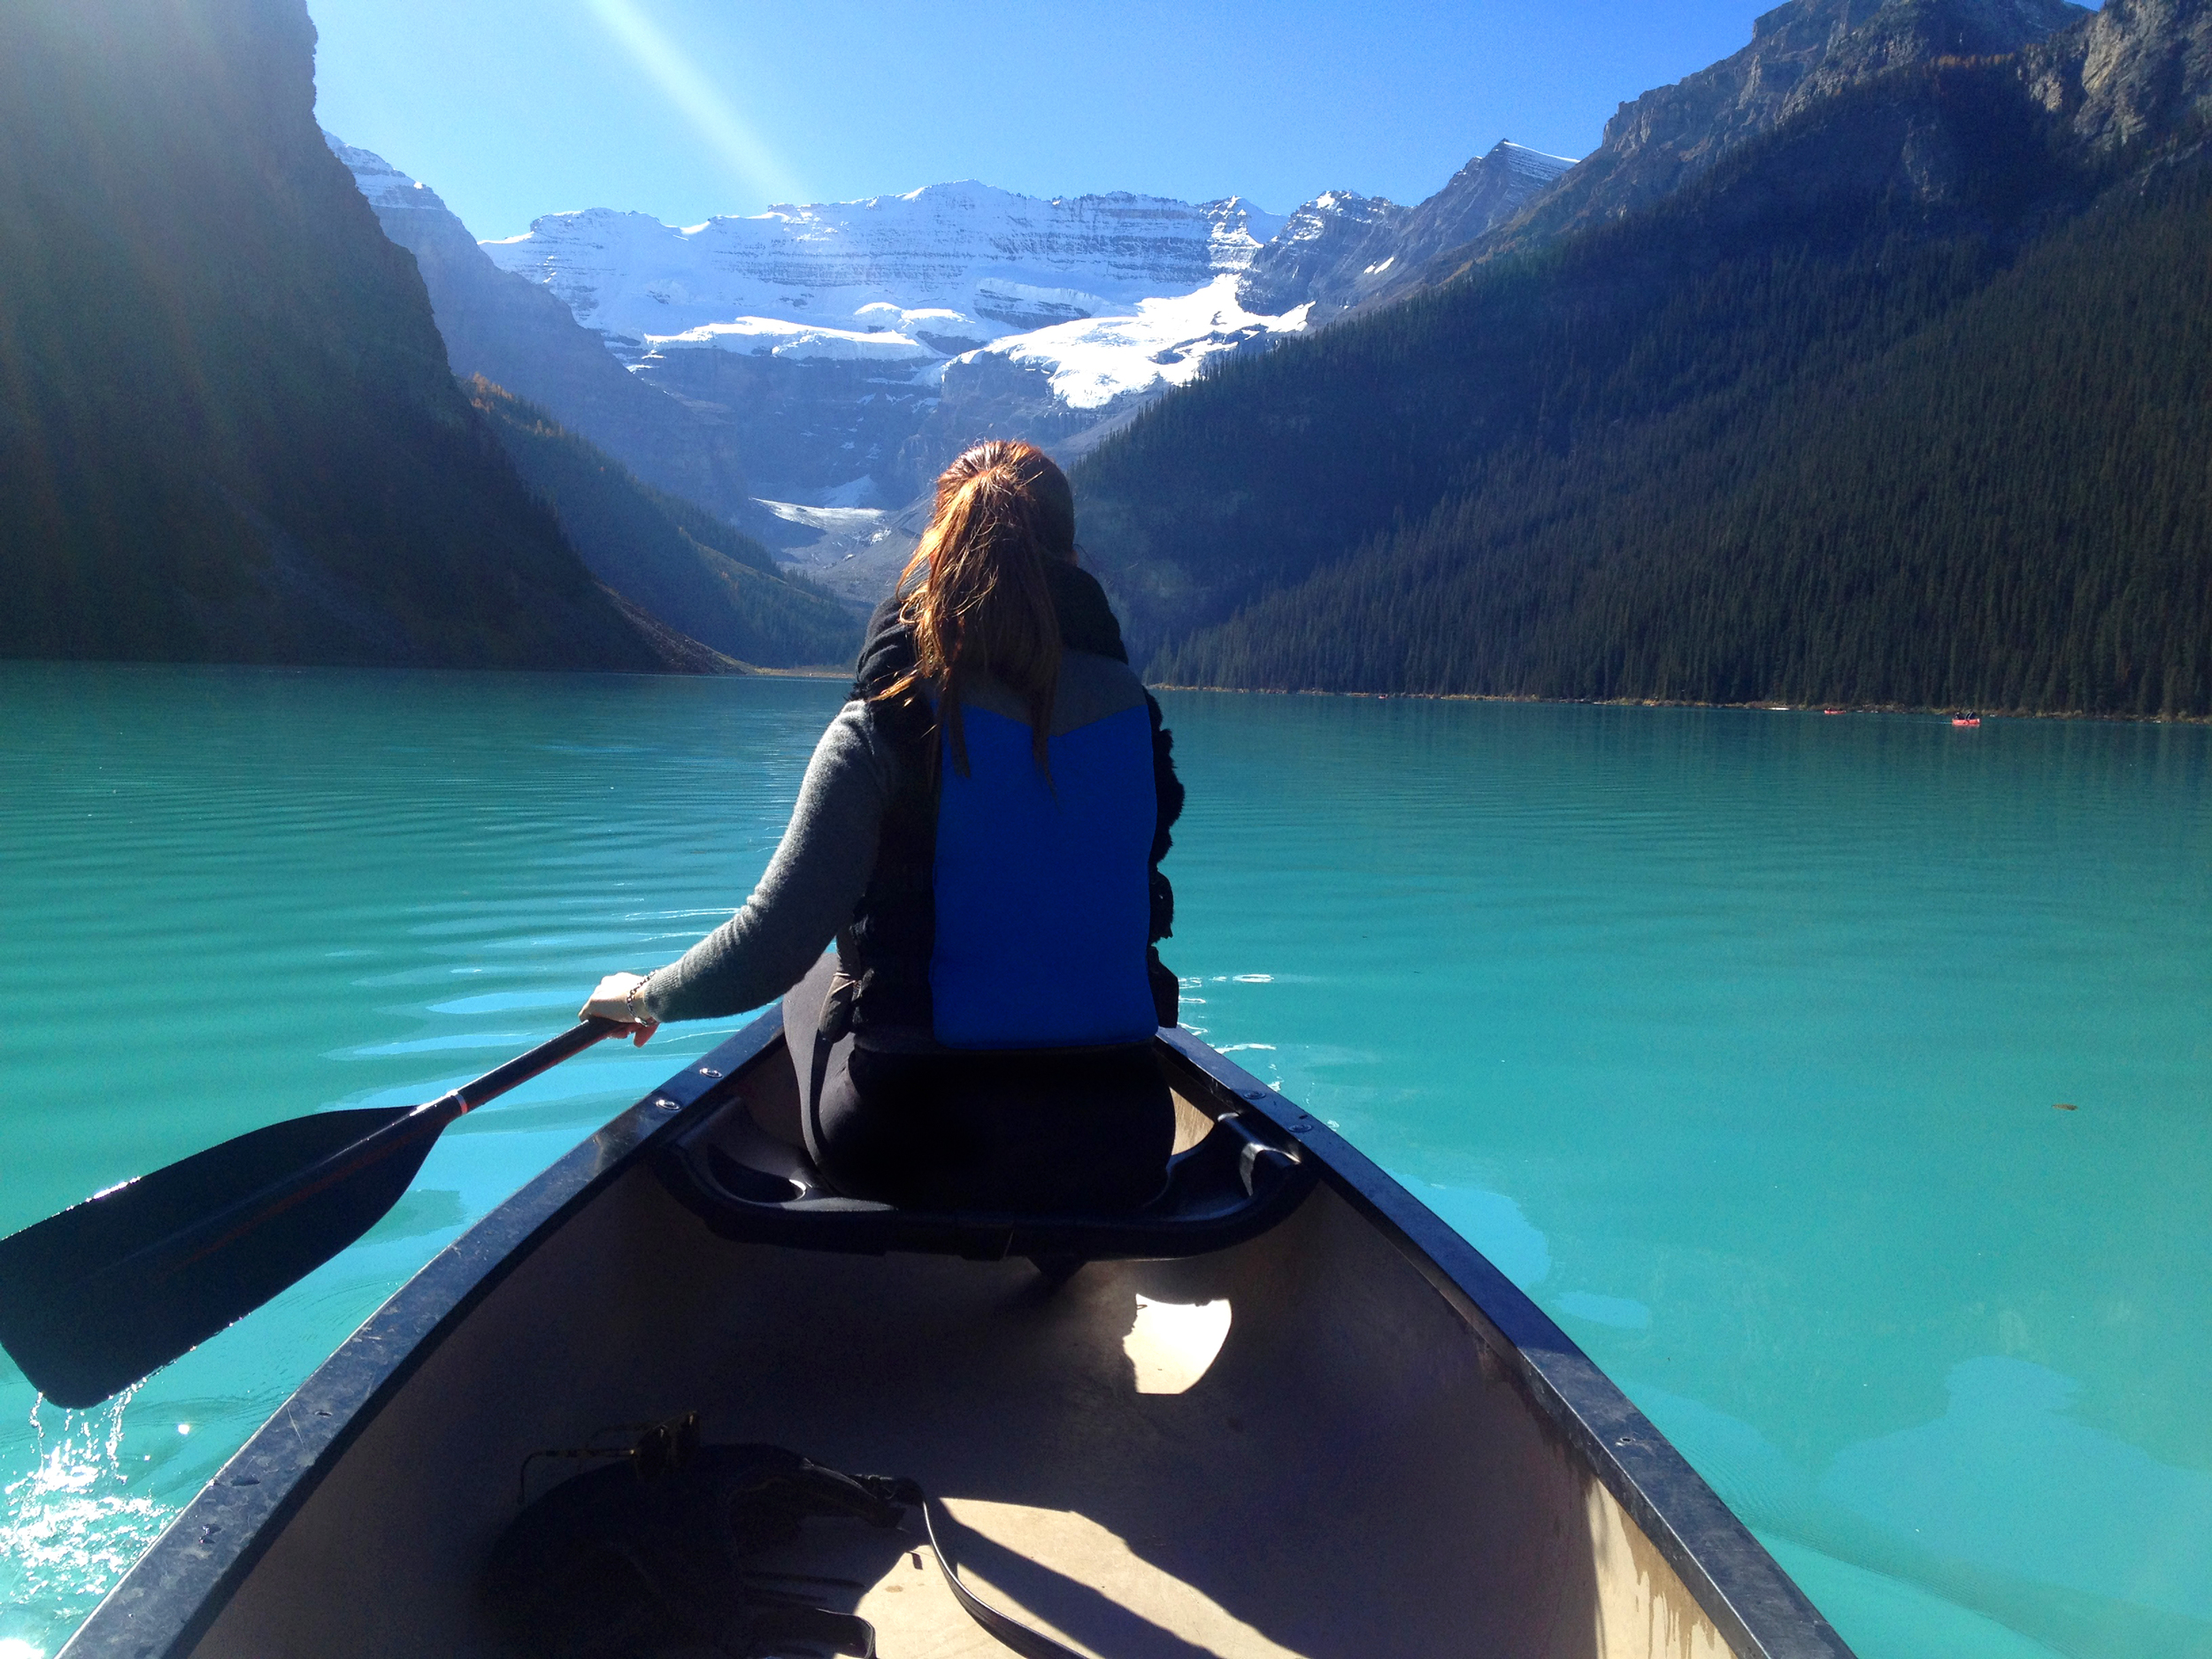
980	828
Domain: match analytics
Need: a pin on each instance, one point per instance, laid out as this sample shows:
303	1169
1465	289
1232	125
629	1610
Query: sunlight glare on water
1734	1038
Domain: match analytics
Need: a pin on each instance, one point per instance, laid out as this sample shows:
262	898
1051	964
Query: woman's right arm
807	893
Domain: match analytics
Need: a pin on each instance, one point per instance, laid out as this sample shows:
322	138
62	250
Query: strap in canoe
675	1547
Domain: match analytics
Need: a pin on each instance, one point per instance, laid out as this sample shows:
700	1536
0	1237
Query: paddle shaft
224	1227
523	1067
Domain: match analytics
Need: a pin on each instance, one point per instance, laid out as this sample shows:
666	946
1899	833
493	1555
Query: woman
980	830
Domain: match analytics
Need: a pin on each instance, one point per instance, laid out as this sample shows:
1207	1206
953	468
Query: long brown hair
976	593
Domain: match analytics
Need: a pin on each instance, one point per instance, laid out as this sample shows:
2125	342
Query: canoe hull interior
1300	1445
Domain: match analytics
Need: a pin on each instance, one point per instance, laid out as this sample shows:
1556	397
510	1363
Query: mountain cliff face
2135	70
1342	250
517	334
1484	194
1322	252
960	263
226	427
1800	53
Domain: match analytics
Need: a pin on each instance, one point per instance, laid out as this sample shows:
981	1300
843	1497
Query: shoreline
833	672
1933	710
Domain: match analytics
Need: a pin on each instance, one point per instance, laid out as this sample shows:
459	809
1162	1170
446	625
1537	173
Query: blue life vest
1042	890
1013	967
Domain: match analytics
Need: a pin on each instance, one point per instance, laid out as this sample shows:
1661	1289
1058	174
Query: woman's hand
612	1001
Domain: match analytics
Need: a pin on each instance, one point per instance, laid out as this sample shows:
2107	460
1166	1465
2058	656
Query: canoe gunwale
169	1600
176	1591
1757	1608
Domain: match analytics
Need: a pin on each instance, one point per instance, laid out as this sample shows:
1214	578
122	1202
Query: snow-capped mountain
871	341
1487	192
961	265
843	352
871	329
1322	250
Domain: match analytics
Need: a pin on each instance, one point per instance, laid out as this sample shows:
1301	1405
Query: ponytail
977	596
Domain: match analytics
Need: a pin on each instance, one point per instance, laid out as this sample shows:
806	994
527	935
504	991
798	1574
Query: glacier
959	292
1094	363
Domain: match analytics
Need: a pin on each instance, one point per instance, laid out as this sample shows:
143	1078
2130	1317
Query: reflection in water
2007	1477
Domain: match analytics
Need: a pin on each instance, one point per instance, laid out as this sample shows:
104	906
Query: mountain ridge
860	345
682	565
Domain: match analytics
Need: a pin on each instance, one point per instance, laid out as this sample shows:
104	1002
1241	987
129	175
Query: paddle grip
544	1057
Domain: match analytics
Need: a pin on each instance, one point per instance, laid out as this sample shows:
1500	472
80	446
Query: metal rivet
708	1071
666	1105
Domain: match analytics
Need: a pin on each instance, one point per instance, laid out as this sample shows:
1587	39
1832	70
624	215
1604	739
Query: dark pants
1047	1130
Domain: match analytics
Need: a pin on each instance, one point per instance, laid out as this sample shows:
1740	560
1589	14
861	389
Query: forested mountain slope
676	560
226	427
1900	403
2007	509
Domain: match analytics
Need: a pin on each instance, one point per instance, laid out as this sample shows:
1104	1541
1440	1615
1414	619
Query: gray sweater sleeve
805	895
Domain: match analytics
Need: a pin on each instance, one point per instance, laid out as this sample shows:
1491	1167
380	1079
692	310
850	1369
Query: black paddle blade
95	1298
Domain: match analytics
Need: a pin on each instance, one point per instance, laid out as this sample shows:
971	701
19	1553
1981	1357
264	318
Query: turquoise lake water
1735	1038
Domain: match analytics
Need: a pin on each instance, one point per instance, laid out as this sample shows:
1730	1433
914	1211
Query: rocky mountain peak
521	337
1320	252
411	212
1486	193
1343	250
2136	69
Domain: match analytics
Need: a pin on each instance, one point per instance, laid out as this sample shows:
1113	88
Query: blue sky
688	108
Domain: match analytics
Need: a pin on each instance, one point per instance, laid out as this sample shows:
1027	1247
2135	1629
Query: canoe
1344	1434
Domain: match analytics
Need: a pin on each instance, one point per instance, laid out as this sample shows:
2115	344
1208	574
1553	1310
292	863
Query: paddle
93	1299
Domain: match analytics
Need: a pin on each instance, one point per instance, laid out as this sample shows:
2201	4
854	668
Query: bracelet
633	1003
